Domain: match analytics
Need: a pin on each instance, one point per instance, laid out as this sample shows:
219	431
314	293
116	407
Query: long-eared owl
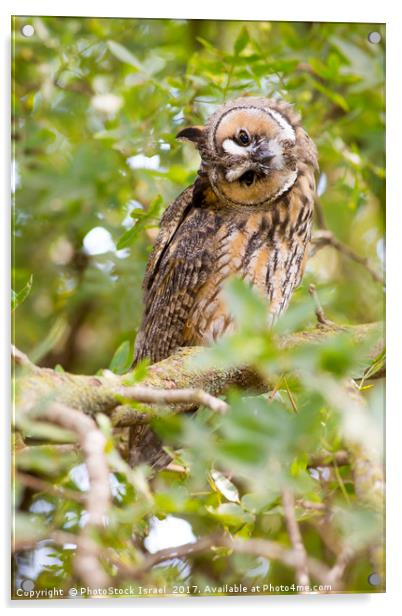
248	213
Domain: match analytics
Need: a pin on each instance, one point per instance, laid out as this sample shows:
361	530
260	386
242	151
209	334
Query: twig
319	312
341	458
172	396
343	559
256	547
341	483
177	468
319	212
39	485
21	360
328	534
324	237
304	67
301	565
92	443
306	504
124	416
98	498
180	551
290	396
274	551
61	538
56	448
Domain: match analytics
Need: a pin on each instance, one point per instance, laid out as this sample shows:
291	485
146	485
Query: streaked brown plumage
249	213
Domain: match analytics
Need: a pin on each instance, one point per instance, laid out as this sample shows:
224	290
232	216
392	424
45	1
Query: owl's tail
145	447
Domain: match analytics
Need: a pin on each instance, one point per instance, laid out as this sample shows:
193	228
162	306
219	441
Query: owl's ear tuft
192	133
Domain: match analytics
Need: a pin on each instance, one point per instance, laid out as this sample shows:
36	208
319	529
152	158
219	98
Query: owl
248	214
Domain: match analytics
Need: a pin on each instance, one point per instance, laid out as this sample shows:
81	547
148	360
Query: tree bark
103	393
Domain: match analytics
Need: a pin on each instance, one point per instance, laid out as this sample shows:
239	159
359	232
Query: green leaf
299	465
45	431
145	219
330	93
20	297
138	373
45	459
29	527
375	367
122	359
124	55
129	236
54	335
245	305
241	41
206	43
361	526
255	502
242	452
231	514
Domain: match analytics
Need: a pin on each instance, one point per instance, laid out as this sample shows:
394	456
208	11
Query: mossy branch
104	393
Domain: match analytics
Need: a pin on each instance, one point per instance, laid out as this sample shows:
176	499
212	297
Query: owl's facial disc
255	151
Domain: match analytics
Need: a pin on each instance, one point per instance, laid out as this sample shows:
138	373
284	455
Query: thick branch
103	394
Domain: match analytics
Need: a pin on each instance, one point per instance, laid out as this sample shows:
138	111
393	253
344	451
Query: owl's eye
243	137
247	178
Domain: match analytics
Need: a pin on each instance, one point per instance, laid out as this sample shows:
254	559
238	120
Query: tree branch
196	397
275	551
103	394
319	311
256	547
301	565
39	485
21	360
324	237
340	458
97	502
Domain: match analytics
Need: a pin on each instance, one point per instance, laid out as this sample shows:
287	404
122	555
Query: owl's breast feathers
201	244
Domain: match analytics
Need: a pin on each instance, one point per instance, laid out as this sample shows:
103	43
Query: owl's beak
264	155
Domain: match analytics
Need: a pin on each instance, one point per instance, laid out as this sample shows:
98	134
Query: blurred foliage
96	106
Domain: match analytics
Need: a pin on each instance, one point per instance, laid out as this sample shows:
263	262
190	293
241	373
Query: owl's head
249	149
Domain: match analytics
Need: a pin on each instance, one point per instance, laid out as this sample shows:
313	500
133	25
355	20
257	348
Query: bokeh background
96	106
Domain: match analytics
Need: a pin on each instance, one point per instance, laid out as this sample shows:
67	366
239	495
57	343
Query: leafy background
96	106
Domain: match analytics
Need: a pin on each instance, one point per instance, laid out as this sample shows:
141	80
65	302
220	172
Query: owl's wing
170	222
178	268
